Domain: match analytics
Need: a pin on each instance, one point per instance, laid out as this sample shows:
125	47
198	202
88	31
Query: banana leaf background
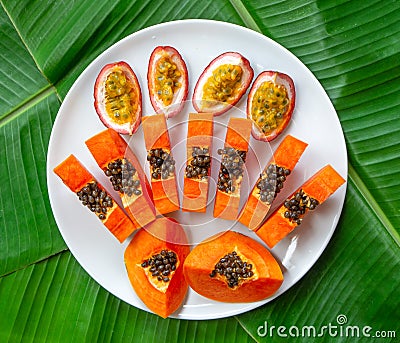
352	47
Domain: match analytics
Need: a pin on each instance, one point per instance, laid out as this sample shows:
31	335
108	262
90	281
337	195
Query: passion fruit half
222	83
270	104
167	79
118	98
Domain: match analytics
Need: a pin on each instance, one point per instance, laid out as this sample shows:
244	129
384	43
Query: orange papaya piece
93	195
154	261
198	167
162	163
233	157
232	268
271	181
121	165
290	214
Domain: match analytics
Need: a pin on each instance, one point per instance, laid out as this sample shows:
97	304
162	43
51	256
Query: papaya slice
198	168
233	268
121	165
290	214
93	195
233	158
154	261
271	181
162	163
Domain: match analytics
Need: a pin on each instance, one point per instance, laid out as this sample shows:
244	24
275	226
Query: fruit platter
195	175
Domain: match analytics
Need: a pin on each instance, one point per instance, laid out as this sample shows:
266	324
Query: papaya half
154	261
94	196
233	268
162	163
291	212
198	167
121	165
233	158
271	181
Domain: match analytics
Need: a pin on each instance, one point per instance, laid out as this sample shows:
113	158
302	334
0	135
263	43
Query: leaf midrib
245	15
35	98
379	213
28	103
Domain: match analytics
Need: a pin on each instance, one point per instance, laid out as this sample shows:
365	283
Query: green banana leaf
352	47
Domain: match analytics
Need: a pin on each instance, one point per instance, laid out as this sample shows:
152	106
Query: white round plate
199	41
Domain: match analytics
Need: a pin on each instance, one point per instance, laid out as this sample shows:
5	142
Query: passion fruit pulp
167	79
118	98
270	104
222	83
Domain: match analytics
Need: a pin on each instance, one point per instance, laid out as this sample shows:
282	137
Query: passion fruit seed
161	265
199	164
223	84
233	268
271	182
297	206
96	199
269	105
167	80
123	177
121	98
232	162
162	165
